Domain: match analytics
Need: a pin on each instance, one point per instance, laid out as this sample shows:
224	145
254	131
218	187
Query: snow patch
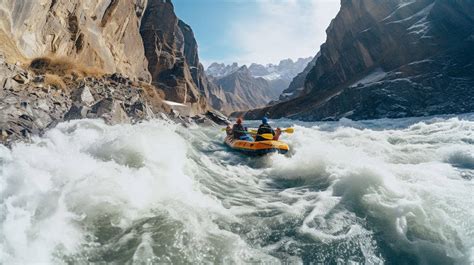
270	77
422	26
377	75
221	70
422	14
173	103
400	6
422	61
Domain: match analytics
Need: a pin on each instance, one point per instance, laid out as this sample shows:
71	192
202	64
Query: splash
397	191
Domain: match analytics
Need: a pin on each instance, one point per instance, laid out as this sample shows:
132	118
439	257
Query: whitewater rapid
372	192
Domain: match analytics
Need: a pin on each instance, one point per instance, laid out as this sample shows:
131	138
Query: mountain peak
285	70
243	68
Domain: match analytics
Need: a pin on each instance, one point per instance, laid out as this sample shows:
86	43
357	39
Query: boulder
86	96
110	110
117	114
217	117
77	112
21	78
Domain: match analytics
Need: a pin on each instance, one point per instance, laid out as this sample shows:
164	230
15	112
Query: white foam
83	171
407	181
179	191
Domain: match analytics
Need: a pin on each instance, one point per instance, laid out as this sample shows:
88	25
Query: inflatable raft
257	148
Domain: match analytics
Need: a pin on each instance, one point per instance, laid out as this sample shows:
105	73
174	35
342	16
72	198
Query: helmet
264	120
239	121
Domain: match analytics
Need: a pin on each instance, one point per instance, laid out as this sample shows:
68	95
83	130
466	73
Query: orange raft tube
257	148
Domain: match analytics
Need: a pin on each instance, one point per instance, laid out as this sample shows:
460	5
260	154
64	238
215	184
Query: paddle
267	136
287	130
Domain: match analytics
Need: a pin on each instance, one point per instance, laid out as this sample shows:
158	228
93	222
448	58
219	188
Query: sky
257	31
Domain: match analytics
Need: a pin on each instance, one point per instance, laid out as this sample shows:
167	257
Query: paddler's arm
277	134
228	130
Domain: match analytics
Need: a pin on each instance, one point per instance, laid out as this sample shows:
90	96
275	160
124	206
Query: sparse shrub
55	81
63	66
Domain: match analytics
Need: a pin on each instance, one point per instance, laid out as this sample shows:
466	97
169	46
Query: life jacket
264	128
238	131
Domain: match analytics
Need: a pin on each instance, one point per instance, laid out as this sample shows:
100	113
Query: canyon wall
391	59
99	33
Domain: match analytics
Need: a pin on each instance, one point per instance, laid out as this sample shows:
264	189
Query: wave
395	191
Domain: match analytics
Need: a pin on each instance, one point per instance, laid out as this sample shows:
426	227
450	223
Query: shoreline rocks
30	105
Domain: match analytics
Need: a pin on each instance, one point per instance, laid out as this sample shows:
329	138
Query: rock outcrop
143	40
32	102
99	33
171	51
63	60
390	59
214	94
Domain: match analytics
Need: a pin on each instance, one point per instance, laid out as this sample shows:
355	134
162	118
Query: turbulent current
372	192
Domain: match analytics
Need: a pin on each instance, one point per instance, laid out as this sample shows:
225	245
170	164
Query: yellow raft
257	148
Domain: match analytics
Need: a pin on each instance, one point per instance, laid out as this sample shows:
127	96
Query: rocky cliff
99	33
173	60
62	60
390	59
33	100
214	94
144	40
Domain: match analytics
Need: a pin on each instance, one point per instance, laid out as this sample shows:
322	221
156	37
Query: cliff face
100	33
63	60
141	39
390	59
32	102
214	94
172	56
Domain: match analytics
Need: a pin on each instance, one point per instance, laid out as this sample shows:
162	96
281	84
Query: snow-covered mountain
218	70
286	69
275	77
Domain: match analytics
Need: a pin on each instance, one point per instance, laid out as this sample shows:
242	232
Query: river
370	192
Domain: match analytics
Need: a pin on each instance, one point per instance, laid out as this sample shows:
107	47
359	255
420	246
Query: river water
371	192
